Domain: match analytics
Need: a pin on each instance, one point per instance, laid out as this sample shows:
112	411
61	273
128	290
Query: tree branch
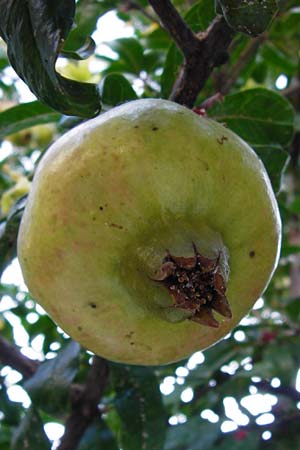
172	21
210	52
85	405
84	398
201	52
10	355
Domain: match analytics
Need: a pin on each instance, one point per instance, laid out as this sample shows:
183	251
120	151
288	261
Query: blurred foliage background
245	391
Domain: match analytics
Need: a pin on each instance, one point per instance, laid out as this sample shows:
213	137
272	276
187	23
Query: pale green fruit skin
107	200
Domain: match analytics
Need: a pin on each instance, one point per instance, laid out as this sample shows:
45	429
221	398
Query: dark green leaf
139	405
30	434
130	53
116	89
293	309
5	437
24	116
54	375
259	116
86	17
9	232
43	27
83	52
274	56
265	120
195	434
251	17
275	160
98	436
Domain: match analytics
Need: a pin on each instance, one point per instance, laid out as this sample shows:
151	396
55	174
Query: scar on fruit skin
115	225
196	285
221	141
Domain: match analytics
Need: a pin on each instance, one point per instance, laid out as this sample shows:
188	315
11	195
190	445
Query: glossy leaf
43	27
251	17
85	21
116	89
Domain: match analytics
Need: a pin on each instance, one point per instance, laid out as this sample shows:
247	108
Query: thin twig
85	405
10	355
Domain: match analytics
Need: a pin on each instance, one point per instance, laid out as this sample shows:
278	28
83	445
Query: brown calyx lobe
196	285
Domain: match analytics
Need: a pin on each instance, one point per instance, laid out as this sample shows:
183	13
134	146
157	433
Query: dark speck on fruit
115	225
93	305
252	254
154	128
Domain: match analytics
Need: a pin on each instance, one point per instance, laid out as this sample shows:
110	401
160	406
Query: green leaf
116	89
9	232
274	56
98	436
251	17
195	434
275	159
5	437
54	375
86	17
265	120
198	18
259	116
43	27
24	116
86	50
139	405
293	309
130	54
30	434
